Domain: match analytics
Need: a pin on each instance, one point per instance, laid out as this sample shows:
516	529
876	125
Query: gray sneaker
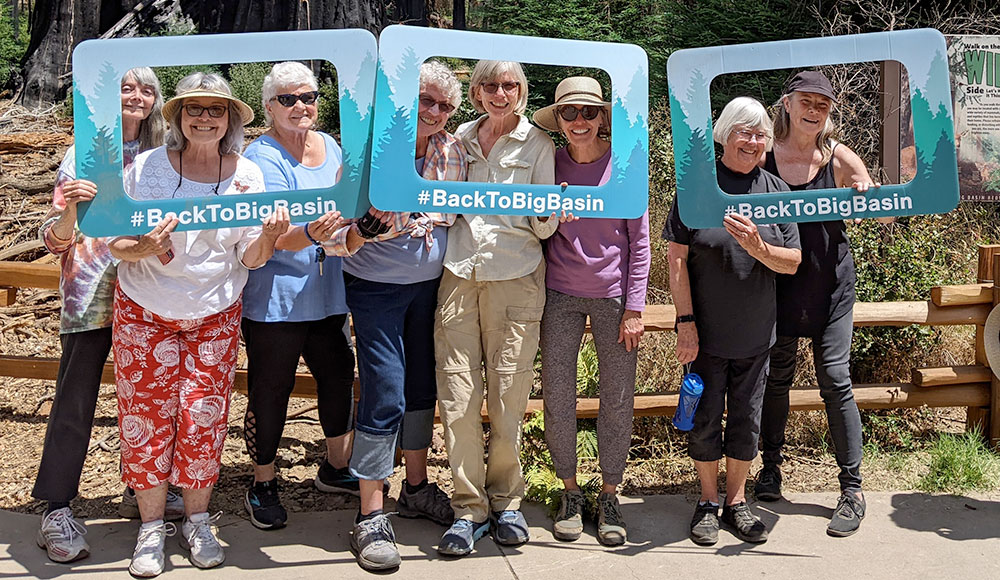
509	527
198	537
62	536
848	515
430	502
705	524
129	506
569	521
611	529
374	543
147	559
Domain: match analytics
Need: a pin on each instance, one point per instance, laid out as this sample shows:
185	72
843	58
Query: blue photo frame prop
98	66
934	189
396	186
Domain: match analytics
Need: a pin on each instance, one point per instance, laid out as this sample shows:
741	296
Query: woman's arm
260	250
744	231
850	171
680	289
155	243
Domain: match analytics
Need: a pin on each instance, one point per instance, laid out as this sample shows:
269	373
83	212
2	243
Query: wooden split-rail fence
972	386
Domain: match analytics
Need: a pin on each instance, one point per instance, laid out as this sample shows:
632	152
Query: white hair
746	112
284	74
437	74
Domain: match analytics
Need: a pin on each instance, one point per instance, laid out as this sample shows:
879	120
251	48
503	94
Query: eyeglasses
508	87
289	100
750	135
569	113
443	106
213	111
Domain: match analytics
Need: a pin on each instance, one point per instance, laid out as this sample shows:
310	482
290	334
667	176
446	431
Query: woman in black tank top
818	300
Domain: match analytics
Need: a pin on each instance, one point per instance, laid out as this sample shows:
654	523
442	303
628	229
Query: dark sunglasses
443	106
508	87
213	111
569	113
289	100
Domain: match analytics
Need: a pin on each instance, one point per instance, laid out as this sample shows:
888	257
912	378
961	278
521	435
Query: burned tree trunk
56	27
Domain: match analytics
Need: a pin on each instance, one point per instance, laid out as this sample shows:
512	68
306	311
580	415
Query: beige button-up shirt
502	247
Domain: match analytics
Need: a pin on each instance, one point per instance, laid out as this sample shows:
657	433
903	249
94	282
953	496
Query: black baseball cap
811	81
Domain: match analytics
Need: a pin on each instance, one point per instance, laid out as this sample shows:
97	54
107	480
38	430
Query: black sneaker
264	506
705	524
768	486
848	515
743	523
329	479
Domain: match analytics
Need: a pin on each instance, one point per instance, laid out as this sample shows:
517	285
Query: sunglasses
213	111
589	112
508	87
443	106
289	100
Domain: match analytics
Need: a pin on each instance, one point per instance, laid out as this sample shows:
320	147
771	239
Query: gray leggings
562	328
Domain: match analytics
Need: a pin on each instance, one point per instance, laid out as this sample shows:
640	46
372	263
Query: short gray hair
232	142
438	74
284	74
745	111
153	127
490	70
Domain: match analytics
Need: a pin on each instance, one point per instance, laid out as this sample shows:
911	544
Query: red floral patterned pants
174	380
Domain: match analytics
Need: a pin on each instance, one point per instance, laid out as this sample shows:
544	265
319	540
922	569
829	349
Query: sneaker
147	559
569	521
129	506
461	536
610	523
374	543
768	486
329	479
264	505
62	536
429	502
744	524
705	524
848	515
198	537
509	527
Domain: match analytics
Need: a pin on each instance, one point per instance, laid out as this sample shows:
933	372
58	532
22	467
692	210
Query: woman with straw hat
597	268
177	317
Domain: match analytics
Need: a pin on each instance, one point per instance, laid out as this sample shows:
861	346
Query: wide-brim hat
991	340
170	107
571	91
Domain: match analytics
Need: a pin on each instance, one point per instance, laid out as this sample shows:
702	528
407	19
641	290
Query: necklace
180	174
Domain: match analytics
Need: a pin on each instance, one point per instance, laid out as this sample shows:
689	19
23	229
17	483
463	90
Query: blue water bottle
691	388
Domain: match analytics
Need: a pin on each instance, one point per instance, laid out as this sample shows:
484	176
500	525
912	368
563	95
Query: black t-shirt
822	289
732	293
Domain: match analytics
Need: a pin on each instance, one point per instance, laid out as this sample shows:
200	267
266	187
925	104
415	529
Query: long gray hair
232	142
783	124
153	128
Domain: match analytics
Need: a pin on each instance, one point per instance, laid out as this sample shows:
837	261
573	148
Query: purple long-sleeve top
598	257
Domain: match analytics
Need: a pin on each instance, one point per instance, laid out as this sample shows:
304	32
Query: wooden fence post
980	417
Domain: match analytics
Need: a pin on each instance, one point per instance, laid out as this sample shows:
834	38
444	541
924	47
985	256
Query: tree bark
458	15
412	12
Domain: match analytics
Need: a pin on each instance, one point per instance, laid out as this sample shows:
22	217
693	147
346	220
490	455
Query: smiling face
298	117
432	119
137	99
501	103
204	128
580	132
744	148
808	112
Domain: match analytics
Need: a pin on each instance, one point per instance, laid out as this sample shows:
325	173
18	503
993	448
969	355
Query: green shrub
247	78
328	116
961	463
11	51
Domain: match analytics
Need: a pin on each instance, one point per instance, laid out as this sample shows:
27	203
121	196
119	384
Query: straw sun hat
170	107
571	91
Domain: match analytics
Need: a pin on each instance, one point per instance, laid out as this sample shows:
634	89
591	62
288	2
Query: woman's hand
631	329
322	228
275	224
76	190
744	231
154	243
687	342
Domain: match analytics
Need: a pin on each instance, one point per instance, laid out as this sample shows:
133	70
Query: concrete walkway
906	535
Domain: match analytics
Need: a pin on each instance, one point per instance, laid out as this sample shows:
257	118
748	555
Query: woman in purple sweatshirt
597	268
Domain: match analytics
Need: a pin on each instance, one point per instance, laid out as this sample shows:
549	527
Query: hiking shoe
329	479
198	537
129	506
461	536
610	523
744	524
768	486
848	515
374	543
429	502
147	559
509	527
569	521
62	536
264	505
705	524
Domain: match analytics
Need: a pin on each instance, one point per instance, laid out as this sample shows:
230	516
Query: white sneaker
129	506
197	536
147	559
62	536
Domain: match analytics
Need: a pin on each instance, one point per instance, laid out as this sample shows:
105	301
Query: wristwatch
682	319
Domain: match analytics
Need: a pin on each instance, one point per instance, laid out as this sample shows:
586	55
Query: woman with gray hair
722	281
176	318
294	306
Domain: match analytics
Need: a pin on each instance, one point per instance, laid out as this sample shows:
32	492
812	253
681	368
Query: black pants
831	353
273	350
67	436
736	386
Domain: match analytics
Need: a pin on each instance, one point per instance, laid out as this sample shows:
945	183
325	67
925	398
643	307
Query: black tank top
822	289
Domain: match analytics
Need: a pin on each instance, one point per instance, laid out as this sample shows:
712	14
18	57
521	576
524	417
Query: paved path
906	535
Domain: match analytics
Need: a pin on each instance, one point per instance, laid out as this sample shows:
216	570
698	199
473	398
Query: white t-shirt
206	275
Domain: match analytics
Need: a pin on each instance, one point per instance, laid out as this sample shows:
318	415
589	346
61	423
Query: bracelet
309	237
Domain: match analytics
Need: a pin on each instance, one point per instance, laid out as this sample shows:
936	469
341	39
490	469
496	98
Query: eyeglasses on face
428	103
508	87
751	135
569	112
288	100
215	111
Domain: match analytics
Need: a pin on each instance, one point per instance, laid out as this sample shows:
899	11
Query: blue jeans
394	333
